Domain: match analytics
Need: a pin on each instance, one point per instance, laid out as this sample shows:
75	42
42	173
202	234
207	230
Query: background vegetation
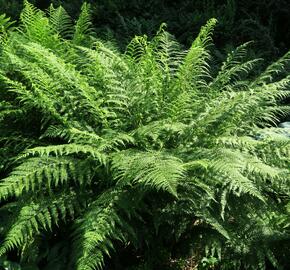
265	22
121	150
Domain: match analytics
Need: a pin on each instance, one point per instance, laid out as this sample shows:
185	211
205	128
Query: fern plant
147	151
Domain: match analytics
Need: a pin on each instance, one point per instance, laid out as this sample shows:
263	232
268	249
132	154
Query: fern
83	26
37	215
5	24
60	22
143	152
150	169
97	229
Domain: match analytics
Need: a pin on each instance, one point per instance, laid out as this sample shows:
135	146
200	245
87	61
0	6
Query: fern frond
35	216
60	21
234	74
45	64
36	27
167	52
66	150
273	70
5	22
194	68
137	48
83	26
97	229
230	165
5	25
9	110
204	37
155	170
29	14
38	173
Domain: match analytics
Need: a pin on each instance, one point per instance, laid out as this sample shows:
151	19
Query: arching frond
37	215
155	170
273	70
83	27
194	69
60	21
100	225
44	173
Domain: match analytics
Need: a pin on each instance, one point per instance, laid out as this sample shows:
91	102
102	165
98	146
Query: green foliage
83	25
60	22
263	21
5	23
151	152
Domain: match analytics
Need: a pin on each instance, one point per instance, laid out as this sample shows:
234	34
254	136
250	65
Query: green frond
229	166
38	99
194	69
35	216
8	110
273	70
5	25
109	141
236	56
167	52
137	48
234	74
98	68
40	63
66	150
73	135
153	169
60	21
156	131
83	26
99	226
36	27
44	173
214	223
29	14
205	34
242	143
